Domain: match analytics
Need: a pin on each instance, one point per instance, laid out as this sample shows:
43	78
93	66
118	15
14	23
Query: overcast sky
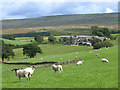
32	9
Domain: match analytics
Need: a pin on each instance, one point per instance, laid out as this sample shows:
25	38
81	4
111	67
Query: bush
102	44
12	38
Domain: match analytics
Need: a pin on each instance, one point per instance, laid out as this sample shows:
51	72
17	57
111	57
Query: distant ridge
75	19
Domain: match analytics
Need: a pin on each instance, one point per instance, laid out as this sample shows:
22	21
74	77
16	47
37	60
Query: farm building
77	39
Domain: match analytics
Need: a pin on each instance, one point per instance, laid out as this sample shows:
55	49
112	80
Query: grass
15	42
92	74
49	51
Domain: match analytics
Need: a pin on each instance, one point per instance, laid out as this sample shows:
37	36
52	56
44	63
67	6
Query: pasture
92	74
15	42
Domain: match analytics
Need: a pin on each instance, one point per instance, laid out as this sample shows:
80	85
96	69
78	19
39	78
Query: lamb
57	68
105	60
79	62
27	72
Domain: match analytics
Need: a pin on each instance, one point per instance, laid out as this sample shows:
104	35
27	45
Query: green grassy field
15	42
92	74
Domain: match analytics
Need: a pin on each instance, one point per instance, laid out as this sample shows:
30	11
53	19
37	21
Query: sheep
41	58
80	62
96	54
76	52
105	60
95	50
100	49
27	72
99	56
76	57
107	47
57	68
90	51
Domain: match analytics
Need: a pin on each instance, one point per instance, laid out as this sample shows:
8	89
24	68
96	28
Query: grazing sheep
107	47
76	57
79	62
96	54
41	58
95	50
100	49
99	56
105	60
76	52
27	72
57	68
90	51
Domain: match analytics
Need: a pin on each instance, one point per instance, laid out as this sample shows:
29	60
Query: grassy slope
92	74
49	51
60	23
78	19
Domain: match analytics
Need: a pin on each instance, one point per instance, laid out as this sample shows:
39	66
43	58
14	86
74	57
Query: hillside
105	19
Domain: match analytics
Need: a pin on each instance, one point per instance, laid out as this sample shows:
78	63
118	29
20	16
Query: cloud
108	10
19	10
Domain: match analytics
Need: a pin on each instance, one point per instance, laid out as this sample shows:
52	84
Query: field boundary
26	63
50	64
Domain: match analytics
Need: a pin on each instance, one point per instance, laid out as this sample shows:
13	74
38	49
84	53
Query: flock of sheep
27	72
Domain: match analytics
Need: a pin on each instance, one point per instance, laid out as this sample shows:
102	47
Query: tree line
30	34
104	32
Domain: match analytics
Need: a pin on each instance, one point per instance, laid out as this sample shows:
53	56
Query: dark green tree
30	50
12	38
7	51
38	39
94	30
60	40
102	44
105	31
66	40
51	38
100	34
71	40
95	40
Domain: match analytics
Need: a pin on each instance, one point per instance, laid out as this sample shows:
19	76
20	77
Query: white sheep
95	50
76	57
96	54
27	72
90	51
57	68
79	62
105	60
41	58
76	52
100	49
